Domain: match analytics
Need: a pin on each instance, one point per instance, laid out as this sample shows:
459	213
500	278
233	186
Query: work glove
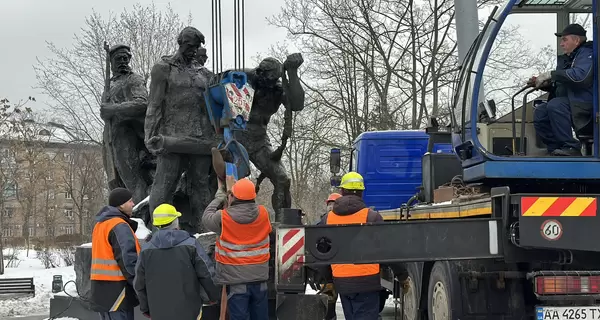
221	195
405	286
541	80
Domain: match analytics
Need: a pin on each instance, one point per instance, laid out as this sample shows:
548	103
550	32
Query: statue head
189	41
268	72
201	56
120	56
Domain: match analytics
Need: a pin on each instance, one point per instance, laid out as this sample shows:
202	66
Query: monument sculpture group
158	142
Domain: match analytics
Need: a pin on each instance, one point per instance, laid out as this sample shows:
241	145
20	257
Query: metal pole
562	20
467	26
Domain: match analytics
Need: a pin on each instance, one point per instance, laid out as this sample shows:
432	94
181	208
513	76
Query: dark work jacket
174	276
574	79
345	206
105	294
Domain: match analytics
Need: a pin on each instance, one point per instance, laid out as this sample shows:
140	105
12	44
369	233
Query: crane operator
570	98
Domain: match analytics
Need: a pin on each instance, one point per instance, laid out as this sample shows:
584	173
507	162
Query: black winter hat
119	196
572	29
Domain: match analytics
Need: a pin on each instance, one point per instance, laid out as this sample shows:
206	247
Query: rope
460	188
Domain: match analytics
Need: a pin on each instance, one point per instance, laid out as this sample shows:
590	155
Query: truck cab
391	165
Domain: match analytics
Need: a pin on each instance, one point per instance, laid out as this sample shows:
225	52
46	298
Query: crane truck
496	231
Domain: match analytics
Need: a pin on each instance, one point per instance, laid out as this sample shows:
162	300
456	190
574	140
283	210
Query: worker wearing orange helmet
330	201
242	249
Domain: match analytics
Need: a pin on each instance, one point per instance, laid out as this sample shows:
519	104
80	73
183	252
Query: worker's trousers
248	301
361	306
117	315
552	122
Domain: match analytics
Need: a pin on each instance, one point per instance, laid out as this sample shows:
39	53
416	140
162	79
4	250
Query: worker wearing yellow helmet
173	271
358	285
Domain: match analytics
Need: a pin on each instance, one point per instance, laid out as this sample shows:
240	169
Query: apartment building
51	185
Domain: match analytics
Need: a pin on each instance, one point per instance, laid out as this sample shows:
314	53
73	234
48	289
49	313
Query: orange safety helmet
244	189
332	197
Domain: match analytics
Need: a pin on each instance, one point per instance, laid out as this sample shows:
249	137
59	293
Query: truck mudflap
558	222
452	239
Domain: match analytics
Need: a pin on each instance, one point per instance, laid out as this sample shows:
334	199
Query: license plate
568	313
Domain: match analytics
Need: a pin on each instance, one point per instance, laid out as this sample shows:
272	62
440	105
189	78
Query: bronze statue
201	56
177	127
124	110
269	94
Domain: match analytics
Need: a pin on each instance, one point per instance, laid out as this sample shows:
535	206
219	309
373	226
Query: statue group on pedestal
158	143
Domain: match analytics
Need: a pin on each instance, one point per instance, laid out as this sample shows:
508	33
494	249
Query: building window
68	195
69	229
8	212
68	157
10	190
51	195
7	232
69	214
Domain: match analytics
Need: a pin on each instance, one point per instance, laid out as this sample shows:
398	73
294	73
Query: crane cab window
512	121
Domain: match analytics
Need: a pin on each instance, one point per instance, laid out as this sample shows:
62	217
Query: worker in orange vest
115	250
358	285
242	250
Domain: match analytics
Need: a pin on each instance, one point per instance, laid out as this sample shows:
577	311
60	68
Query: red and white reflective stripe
291	248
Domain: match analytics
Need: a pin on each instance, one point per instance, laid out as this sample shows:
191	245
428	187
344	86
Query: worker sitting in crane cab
570	100
358	285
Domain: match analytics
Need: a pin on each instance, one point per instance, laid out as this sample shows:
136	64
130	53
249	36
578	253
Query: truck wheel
411	299
439	300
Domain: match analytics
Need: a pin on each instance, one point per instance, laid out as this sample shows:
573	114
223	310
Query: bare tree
74	77
26	146
7	166
83	180
384	64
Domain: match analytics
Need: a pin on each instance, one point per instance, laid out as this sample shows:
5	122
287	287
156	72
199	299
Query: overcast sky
25	25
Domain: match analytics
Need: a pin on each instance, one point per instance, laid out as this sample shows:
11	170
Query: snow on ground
42	279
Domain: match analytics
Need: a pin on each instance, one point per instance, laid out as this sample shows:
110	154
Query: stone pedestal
82	266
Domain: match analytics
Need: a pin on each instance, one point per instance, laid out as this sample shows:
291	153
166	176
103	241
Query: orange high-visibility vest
244	244
351	270
104	264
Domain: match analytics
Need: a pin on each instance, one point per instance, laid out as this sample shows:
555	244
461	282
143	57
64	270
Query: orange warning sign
559	206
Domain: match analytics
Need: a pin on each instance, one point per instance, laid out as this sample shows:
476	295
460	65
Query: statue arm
293	93
158	87
136	107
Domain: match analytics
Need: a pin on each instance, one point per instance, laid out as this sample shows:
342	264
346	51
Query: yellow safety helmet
352	181
164	214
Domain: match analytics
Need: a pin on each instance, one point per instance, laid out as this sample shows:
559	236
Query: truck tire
411	296
440	292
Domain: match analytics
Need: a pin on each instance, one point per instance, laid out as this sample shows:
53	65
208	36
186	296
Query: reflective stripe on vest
351	270
104	264
244	244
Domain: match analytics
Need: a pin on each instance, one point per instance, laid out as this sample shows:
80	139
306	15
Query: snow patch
197	235
142	232
86	245
31	267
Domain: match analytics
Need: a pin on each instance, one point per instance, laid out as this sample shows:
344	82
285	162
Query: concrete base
62	306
